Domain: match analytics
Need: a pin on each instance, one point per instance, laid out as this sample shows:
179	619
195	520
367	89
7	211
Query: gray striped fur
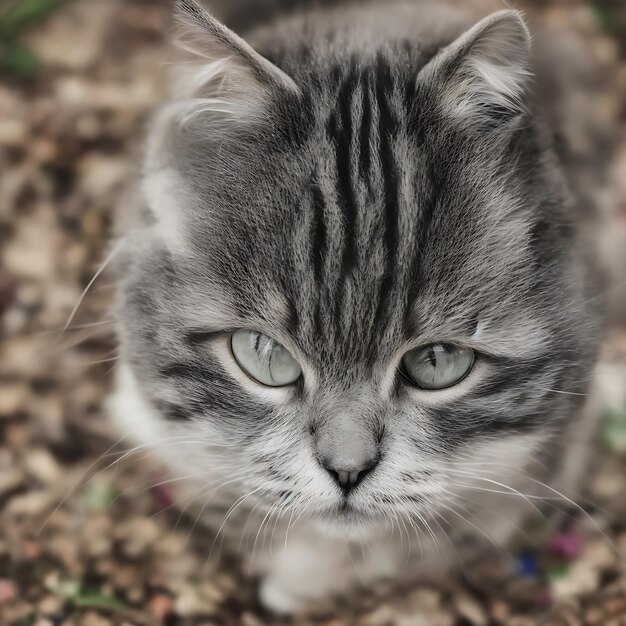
364	181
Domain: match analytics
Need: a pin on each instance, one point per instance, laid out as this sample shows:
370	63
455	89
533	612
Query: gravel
87	536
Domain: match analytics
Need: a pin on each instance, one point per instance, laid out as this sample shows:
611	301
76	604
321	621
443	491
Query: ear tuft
217	71
483	75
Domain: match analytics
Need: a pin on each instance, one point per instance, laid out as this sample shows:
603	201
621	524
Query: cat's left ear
482	77
218	67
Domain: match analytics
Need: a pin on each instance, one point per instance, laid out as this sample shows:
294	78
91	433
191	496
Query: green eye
264	359
437	366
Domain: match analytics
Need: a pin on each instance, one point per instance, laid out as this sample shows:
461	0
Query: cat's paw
306	576
277	598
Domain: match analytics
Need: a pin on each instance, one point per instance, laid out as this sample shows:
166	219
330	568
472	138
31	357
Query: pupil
432	357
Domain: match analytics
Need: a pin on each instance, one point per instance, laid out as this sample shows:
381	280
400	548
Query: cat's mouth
349	522
344	510
346	518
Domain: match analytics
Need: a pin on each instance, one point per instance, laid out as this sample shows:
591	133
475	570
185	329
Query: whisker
95	277
577	506
502	492
73	489
569	393
504	486
55	331
229	513
478	529
56	349
100	361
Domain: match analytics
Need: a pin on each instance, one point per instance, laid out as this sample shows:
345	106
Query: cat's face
360	299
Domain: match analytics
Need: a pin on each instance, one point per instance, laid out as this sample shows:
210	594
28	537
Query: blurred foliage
611	16
72	591
98	496
16	58
18	14
15	17
614	430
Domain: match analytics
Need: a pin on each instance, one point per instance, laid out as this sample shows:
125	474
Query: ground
89	537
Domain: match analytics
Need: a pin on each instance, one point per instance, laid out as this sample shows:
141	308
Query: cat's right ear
216	70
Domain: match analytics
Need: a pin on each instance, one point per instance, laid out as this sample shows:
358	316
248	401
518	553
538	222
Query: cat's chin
350	524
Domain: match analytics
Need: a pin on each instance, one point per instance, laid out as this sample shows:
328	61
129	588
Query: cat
354	302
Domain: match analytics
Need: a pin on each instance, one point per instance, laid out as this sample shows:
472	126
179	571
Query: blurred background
78	79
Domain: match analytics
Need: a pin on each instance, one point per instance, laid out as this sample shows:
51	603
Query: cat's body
393	185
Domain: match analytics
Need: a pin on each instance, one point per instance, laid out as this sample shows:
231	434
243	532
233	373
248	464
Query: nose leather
347	449
347	479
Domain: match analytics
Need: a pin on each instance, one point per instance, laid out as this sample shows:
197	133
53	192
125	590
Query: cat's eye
264	359
437	366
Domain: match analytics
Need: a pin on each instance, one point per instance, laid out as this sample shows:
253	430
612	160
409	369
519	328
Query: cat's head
353	288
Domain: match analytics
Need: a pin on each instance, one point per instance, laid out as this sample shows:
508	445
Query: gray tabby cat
355	304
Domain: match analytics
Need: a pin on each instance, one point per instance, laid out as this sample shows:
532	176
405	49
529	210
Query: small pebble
468	608
160	605
8	591
527	565
568	544
50	605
